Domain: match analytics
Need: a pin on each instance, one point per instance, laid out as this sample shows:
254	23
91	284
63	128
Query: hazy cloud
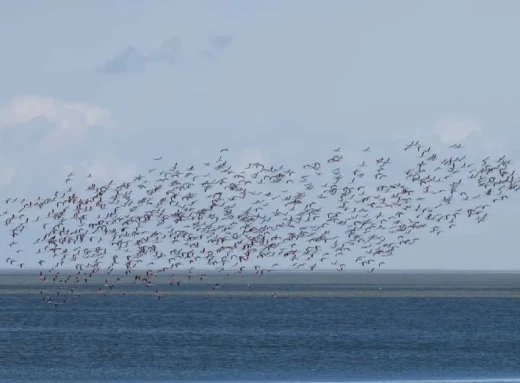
218	43
215	46
452	130
131	60
249	156
71	120
169	52
7	173
494	148
128	61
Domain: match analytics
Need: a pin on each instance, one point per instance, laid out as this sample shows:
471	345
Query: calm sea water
323	331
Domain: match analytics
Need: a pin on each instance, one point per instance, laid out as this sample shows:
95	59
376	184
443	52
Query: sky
103	87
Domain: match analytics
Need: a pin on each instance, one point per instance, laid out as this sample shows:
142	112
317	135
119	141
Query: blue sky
103	87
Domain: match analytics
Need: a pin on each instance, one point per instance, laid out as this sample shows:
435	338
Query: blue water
221	338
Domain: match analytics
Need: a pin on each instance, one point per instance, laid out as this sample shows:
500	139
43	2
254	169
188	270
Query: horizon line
213	271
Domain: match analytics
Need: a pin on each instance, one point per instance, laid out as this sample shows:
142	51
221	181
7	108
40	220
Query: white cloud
250	155
455	129
494	148
7	173
71	120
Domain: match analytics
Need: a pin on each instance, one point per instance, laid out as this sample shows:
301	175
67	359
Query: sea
283	327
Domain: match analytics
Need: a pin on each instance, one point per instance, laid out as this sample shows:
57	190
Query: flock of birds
258	219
